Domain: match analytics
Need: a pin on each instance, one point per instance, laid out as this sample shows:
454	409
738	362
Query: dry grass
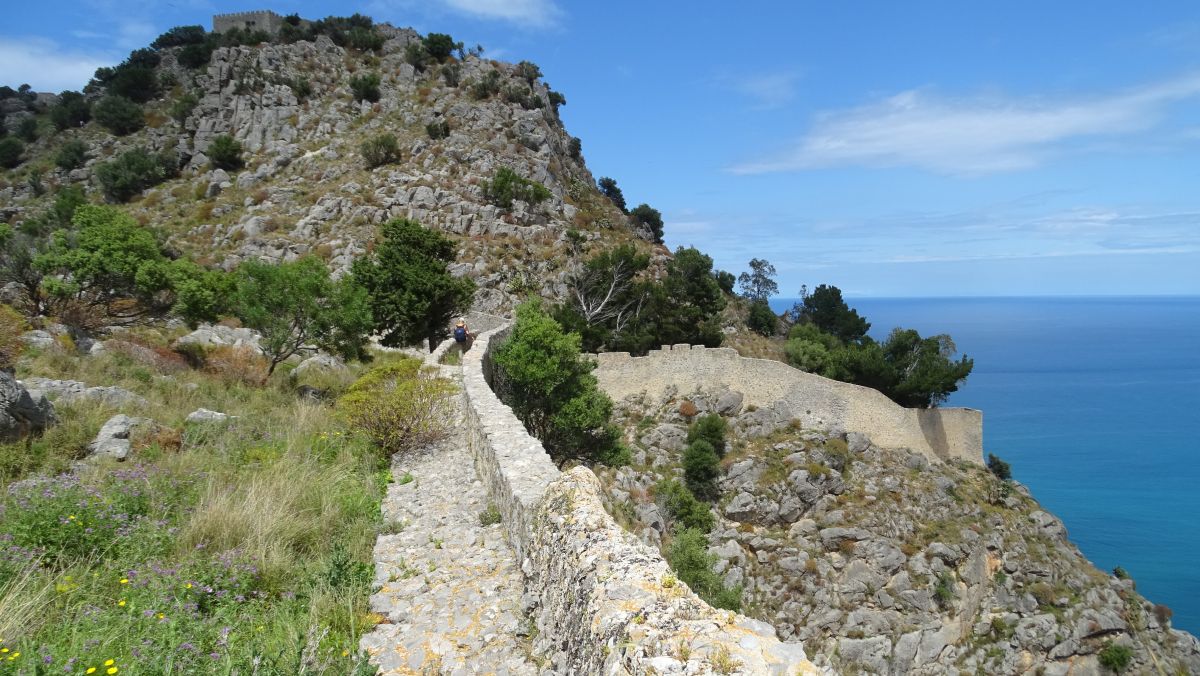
23	602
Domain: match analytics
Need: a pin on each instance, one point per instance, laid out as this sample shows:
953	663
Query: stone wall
260	20
604	603
819	403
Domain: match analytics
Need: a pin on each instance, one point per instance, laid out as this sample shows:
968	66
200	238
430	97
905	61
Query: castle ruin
259	20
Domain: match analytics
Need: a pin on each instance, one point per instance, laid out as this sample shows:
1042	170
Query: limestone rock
22	412
113	439
203	415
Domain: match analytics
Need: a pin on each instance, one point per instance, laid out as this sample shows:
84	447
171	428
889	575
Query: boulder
71	391
22	412
217	335
729	403
113	439
319	362
203	415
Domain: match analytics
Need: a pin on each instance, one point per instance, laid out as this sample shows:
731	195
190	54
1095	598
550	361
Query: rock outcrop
22	412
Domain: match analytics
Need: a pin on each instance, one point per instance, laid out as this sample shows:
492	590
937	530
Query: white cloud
48	67
536	13
969	136
770	90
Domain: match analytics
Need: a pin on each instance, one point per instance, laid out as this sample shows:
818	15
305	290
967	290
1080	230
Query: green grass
224	548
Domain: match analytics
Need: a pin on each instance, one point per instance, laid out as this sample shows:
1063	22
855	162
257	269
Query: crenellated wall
606	603
819	403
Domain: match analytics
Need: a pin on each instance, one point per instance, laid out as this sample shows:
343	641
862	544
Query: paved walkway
449	587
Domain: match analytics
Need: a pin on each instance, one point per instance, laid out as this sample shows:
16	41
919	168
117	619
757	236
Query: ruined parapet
605	602
817	402
257	20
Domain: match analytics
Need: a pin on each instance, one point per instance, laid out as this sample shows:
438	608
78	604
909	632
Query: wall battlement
263	20
819	403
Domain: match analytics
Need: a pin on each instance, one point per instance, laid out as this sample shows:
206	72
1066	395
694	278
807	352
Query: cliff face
305	187
884	562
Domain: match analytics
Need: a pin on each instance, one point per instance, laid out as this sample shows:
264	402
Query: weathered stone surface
203	415
214	335
22	412
69	391
113	439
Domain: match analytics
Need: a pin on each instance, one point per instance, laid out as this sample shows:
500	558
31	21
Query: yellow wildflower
108	663
15	655
3	650
121	603
90	670
160	616
124	580
111	670
72	517
188	585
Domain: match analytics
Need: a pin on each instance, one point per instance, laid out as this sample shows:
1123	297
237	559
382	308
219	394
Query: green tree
604	296
71	155
528	71
541	374
1002	470
180	36
72	110
758	284
825	308
119	115
413	296
681	505
762	319
440	46
648	216
608	187
225	152
11	150
710	428
133	171
365	87
725	280
28	129
927	373
689	558
690	302
294	305
701	467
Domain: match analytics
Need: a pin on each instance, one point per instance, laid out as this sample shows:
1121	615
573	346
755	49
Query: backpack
460	334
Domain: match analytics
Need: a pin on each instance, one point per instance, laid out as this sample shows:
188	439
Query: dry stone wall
819	403
603	602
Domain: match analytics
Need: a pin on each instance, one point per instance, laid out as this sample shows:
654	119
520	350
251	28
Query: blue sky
892	149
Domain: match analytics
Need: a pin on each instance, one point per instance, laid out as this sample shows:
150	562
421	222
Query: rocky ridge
882	562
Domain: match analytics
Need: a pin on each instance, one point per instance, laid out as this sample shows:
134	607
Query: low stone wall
605	602
819	403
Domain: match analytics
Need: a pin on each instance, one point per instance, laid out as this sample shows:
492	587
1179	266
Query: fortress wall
820	403
606	603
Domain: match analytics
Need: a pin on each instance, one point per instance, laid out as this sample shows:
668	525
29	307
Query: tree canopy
413	296
825	309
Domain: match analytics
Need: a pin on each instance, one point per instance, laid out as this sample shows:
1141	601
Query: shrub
689	558
762	319
701	467
1163	614
136	82
490	516
710	428
575	147
365	87
682	505
416	56
439	46
71	155
1115	658
72	110
12	325
608	188
237	364
399	407
1121	574
133	171
649	217
943	591
380	150
119	115
1001	469
183	107
11	150
438	129
27	129
180	36
225	152
506	185
364	39
301	88
195	56
486	87
451	74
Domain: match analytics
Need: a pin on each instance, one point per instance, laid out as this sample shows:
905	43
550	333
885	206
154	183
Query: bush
365	87
1115	658
71	111
682	505
399	407
380	150
183	107
438	129
237	364
12	325
416	56
133	171
710	428
506	185
27	129
135	82
364	39
71	155
487	87
180	36
1001	469
225	152
1121	574
119	115
689	558
651	218
608	188
575	147
11	150
301	88
439	46
762	319
195	56
701	467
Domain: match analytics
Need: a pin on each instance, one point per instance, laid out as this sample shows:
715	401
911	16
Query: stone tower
260	20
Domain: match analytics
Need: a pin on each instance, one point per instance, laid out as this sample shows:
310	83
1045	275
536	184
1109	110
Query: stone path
448	586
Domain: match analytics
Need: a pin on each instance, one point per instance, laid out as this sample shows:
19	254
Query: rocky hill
884	562
305	187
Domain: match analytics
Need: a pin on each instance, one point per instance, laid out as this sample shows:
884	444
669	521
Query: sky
891	149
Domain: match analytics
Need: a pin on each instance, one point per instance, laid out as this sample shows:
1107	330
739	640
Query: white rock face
203	415
113	439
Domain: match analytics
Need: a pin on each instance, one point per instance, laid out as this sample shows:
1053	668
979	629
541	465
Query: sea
1095	402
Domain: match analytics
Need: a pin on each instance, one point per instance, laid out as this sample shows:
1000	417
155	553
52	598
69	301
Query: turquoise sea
1095	401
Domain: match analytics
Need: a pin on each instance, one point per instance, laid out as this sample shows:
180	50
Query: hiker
462	335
